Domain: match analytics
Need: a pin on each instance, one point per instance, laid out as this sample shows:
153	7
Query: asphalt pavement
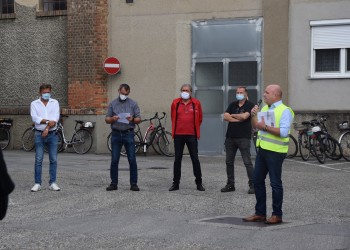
83	215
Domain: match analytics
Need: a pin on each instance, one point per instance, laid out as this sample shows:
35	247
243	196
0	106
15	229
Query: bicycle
5	135
155	136
81	140
315	139
344	139
305	139
292	145
330	144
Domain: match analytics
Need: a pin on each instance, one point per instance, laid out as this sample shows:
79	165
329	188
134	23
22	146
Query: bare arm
110	120
229	118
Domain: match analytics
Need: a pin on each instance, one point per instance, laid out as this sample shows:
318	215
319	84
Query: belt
123	131
50	131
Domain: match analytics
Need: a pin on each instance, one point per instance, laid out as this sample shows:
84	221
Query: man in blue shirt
123	113
273	147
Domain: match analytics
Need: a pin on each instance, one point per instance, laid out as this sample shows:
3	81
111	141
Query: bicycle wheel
344	141
318	148
166	144
292	147
109	142
332	148
304	146
155	141
82	141
60	142
4	138
28	139
137	140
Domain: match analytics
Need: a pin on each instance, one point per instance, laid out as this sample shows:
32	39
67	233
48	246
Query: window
52	5
52	8
330	43
7	6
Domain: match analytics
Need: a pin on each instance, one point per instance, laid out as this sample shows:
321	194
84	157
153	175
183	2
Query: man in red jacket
186	117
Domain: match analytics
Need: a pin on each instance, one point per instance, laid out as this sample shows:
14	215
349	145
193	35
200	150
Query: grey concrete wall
32	51
307	94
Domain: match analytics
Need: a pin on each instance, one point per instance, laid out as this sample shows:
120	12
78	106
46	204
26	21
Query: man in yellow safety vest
273	123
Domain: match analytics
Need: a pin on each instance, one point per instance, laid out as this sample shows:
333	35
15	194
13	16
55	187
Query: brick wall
87	34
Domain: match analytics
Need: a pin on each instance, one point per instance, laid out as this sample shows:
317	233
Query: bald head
272	94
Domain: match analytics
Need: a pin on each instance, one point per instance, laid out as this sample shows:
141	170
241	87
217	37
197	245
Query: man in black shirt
238	136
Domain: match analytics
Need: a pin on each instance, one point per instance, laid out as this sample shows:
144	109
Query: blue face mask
46	96
239	97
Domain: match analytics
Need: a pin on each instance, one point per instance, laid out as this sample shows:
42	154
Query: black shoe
112	187
174	187
228	188
200	187
134	187
251	190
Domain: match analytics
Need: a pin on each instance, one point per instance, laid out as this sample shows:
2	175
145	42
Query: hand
45	132
51	124
130	118
261	125
115	118
254	110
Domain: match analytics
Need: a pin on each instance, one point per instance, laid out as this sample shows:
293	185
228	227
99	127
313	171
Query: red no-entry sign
111	65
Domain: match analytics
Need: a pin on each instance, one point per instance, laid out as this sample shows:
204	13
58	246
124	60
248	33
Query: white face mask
123	97
185	95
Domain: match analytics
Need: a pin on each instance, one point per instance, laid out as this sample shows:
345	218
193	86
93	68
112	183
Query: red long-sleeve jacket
198	117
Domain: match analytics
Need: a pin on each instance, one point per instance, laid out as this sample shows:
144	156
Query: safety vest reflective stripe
263	138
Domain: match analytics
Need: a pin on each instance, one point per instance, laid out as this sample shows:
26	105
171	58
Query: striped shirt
117	107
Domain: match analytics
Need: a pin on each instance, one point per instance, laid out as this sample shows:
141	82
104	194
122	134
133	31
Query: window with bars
330	48
53	5
7	6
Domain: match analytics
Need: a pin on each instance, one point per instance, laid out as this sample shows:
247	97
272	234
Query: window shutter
331	37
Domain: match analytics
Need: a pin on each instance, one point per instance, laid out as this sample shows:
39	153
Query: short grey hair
186	85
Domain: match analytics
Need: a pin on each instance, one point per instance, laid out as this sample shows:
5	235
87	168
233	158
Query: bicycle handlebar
155	117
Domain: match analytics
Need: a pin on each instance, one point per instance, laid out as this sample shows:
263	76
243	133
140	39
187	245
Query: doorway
225	54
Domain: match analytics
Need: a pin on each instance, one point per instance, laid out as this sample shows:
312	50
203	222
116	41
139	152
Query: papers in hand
122	118
268	117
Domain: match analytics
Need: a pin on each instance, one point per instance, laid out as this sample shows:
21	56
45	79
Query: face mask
46	96
123	97
239	97
185	95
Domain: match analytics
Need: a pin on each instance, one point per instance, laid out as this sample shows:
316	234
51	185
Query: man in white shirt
45	113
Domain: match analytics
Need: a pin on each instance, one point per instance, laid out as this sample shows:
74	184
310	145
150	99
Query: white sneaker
54	187
36	187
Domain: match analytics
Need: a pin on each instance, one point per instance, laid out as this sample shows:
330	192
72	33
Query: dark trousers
192	145
268	162
231	146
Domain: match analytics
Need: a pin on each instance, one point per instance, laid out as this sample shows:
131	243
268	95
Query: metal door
225	54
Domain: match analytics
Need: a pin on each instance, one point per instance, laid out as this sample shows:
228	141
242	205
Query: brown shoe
255	218
273	220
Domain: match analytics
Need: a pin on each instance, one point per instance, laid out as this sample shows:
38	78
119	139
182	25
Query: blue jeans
271	163
118	140
192	145
231	146
51	141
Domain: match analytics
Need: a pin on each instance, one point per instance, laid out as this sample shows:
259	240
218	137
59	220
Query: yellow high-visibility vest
269	141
